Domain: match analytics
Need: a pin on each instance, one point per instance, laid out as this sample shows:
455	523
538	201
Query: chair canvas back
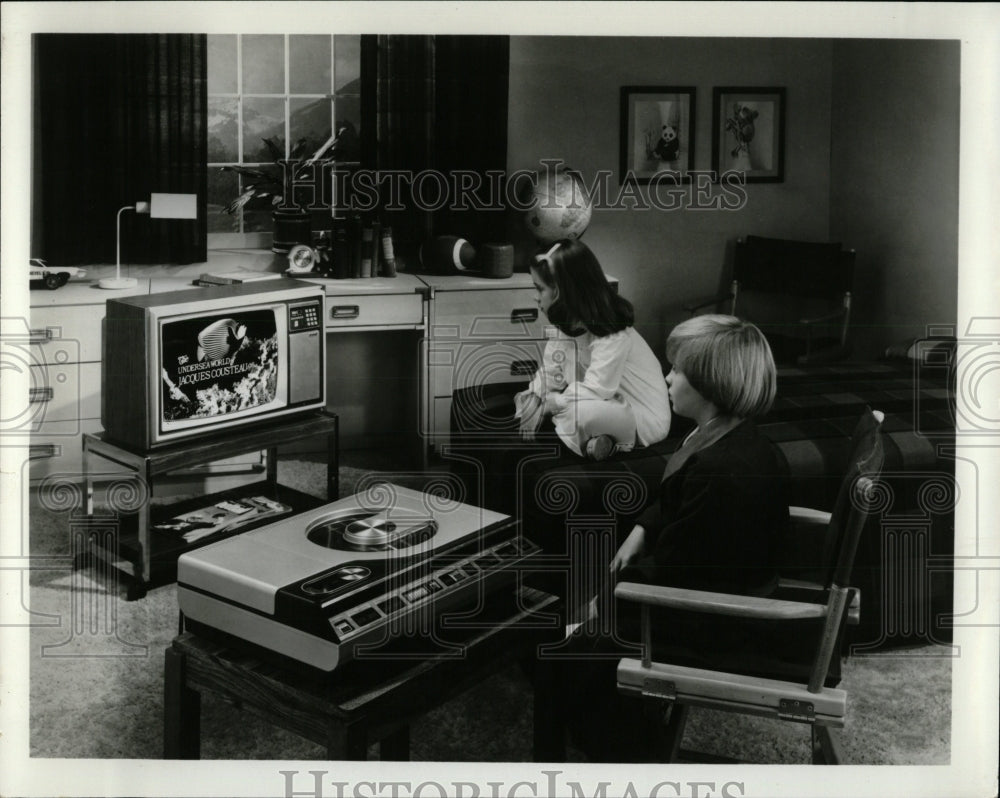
798	268
864	461
854	500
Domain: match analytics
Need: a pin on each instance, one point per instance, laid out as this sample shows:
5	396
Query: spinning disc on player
370	531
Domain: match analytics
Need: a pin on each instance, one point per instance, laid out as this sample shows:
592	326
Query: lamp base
117	282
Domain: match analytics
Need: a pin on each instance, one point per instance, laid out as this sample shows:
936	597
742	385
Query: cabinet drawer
487	314
382	310
68	334
459	365
66	392
57	449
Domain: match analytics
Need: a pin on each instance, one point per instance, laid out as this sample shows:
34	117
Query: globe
559	206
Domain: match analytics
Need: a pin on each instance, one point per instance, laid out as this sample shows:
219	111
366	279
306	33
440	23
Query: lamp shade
173	206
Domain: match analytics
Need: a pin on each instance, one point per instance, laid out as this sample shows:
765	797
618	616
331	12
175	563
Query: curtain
116	118
437	103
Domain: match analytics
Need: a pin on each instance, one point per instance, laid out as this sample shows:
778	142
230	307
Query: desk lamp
160	206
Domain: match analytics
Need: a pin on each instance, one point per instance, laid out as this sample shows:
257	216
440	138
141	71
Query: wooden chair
759	682
797	292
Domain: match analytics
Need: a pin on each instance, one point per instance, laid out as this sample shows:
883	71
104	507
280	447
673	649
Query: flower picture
749	133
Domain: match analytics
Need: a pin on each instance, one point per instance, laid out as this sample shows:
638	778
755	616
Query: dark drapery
116	118
437	103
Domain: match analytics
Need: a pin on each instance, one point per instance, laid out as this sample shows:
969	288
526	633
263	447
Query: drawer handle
40	336
40	395
523	314
522	368
39	451
345	312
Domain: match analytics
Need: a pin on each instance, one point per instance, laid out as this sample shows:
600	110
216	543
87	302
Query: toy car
52	277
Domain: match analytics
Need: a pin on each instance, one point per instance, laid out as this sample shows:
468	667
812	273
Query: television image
224	366
193	361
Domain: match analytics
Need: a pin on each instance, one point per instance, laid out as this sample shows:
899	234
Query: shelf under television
166	546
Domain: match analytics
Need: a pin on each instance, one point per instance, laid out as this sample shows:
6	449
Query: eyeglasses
547	257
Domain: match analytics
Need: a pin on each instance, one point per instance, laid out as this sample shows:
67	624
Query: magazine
224	516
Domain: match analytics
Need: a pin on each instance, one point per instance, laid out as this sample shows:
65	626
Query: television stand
142	541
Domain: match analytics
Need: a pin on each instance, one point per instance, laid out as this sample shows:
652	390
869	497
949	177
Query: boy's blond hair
727	360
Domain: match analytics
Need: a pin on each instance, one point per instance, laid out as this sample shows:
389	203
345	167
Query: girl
599	382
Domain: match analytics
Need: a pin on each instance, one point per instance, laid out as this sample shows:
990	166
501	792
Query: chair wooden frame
845	262
813	703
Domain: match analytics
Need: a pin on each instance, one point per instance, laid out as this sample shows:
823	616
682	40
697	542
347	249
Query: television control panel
304	316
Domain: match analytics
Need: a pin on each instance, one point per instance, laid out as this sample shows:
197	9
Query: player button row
447	579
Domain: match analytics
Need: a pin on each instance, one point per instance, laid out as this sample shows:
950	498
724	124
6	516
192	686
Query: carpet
96	688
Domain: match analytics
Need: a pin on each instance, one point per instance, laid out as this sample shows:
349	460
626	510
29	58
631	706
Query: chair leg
825	749
673	733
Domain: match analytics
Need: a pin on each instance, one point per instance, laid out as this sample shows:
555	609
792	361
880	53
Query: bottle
367	245
388	255
340	253
376	248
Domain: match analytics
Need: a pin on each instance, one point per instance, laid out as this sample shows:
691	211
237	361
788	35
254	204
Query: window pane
257	212
263	117
263	64
222	64
223	130
347	66
348	112
223	188
309	125
309	64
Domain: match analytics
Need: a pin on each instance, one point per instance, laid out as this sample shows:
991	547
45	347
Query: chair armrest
801	549
698	304
807	516
828	317
717	603
803	586
808	590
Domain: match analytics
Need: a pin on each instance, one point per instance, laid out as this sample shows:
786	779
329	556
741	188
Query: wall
564	103
894	192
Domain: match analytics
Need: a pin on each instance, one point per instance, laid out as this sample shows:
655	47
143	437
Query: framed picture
748	132
657	133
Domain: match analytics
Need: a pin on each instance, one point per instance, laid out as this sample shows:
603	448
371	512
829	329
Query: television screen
216	365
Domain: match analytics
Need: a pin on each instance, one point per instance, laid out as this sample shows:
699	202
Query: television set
196	361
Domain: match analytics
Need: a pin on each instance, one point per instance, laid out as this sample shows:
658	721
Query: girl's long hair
584	300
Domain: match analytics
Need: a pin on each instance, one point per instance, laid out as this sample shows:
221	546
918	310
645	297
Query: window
289	89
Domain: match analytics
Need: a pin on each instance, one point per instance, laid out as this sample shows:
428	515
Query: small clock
301	259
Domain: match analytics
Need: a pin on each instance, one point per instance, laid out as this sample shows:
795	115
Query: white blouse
617	367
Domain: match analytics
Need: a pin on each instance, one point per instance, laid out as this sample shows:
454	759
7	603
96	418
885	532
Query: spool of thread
496	260
447	255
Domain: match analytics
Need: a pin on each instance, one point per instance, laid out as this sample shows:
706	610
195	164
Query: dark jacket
719	519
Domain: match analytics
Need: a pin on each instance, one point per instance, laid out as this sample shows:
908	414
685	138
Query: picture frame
748	132
657	135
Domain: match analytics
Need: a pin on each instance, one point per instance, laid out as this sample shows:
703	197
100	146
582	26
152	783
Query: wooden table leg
181	711
396	747
347	743
549	744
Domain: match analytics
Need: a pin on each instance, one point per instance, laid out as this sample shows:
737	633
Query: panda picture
669	145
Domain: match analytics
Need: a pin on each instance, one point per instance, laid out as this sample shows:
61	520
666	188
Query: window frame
261	239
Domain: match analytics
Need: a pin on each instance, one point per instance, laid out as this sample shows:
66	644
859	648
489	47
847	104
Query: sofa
579	510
